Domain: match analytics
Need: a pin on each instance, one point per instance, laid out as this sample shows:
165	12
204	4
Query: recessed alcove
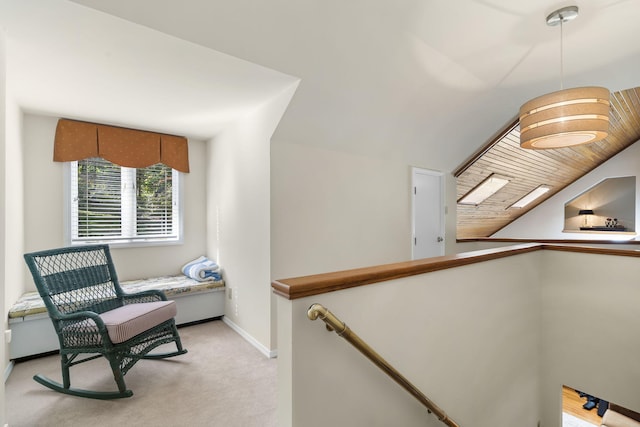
607	207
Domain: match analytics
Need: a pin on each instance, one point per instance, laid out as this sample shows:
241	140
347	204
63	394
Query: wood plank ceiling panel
528	169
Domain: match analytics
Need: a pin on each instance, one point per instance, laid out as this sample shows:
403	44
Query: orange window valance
125	147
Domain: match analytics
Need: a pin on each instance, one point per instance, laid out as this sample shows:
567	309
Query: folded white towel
202	269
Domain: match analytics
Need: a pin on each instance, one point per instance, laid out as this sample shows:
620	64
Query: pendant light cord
561	60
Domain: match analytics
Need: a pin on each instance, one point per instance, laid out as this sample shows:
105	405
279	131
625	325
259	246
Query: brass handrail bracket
333	323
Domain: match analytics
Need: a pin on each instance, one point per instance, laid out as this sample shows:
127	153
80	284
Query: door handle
440	239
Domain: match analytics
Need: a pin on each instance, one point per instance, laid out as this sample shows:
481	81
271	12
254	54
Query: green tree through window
110	203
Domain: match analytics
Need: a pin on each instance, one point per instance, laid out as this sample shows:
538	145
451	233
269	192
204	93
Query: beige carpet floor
221	381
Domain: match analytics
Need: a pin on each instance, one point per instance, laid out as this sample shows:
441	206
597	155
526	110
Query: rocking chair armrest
80	316
82	329
144	296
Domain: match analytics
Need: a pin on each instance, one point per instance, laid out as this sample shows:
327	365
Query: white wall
43	189
239	218
335	210
546	221
3	226
450	218
490	343
238	225
590	321
14	199
470	345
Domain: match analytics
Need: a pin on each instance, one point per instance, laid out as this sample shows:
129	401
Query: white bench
32	332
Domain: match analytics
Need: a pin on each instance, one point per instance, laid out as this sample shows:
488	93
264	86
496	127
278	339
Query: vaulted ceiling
423	81
527	169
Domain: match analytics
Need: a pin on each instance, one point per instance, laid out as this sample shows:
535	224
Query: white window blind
154	201
110	203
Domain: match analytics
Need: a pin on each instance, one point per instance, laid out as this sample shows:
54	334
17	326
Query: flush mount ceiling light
483	191
531	196
569	116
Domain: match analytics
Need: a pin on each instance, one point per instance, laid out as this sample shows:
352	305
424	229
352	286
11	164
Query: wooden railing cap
300	287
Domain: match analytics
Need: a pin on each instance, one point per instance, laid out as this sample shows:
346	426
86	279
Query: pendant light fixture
569	116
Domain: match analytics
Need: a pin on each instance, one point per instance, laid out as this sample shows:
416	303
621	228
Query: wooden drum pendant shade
565	118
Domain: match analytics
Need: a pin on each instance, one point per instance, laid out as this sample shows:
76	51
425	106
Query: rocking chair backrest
76	279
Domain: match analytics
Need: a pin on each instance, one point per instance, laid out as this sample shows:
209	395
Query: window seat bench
32	332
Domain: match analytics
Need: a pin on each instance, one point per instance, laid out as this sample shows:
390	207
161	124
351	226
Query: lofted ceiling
528	169
420	81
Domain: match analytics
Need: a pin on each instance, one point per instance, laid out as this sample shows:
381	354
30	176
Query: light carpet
222	381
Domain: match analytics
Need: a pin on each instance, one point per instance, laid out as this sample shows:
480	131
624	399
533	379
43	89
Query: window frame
178	189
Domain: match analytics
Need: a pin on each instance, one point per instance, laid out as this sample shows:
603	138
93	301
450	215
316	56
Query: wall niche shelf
614	233
608	207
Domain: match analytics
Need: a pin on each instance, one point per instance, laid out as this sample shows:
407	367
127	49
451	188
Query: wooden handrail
335	324
301	287
629	242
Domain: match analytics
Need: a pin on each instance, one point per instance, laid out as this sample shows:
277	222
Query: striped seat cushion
122	323
130	320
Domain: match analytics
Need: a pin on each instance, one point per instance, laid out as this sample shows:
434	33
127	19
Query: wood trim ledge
554	241
300	287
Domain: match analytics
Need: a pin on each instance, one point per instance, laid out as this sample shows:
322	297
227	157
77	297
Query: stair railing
335	324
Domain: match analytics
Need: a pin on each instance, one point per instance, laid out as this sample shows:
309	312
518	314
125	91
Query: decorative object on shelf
566	117
585	213
611	222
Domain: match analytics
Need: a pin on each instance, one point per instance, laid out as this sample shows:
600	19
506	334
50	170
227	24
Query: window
484	190
114	204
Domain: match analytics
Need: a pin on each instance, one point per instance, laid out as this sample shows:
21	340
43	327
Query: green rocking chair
93	317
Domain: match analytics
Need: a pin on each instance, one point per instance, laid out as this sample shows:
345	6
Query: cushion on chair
130	320
615	419
122	323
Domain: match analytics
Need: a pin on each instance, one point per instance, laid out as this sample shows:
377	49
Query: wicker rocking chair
93	317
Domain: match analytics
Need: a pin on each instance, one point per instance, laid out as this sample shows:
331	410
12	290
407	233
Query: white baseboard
254	342
8	370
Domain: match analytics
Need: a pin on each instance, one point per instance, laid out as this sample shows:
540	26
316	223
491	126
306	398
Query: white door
428	213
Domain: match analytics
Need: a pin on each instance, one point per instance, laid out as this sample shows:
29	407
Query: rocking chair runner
93	317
